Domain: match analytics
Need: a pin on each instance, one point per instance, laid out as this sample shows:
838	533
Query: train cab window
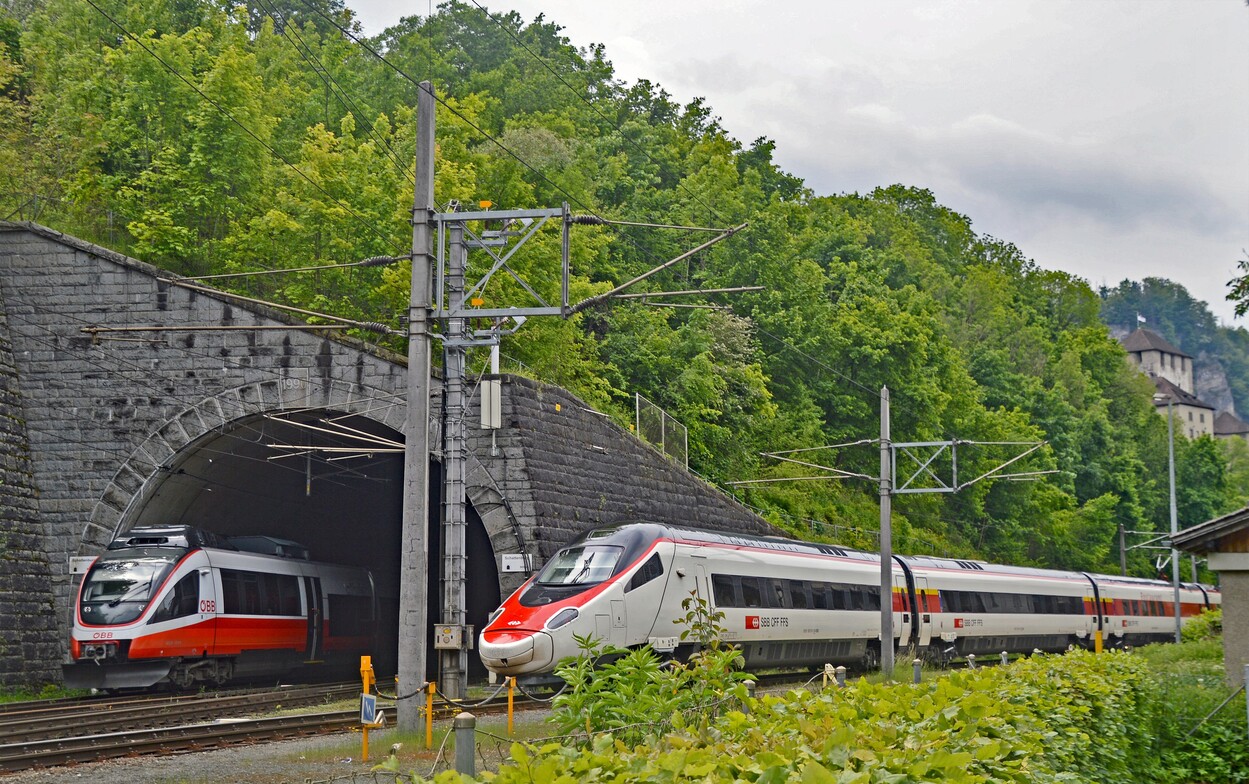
585	565
649	571
182	601
118	588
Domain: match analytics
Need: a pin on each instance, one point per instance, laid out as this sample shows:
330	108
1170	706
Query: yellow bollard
429	716
511	692
1097	641
366	673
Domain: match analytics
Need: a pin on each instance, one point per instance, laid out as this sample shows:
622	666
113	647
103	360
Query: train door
208	606
316	615
902	610
1094	610
922	613
701	582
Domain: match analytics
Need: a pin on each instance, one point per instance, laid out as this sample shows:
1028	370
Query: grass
49	692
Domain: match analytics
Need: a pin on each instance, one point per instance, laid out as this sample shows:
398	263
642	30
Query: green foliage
1196	742
629	693
1071	718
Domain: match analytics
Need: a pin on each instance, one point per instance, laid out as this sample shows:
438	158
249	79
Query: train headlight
563	618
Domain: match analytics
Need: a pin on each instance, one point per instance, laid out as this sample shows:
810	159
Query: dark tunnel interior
330	481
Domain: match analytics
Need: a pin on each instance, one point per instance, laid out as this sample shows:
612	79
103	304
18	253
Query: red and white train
182	605
793	603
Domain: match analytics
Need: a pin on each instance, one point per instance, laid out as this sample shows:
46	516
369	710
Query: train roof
176	536
968	565
636	531
1118	579
649	530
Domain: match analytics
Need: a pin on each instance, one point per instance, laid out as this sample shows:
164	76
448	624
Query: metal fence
657	427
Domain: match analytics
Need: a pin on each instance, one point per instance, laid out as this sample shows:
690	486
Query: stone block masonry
567	468
30	643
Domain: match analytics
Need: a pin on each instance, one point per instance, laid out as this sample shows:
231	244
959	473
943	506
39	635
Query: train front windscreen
571	571
118	587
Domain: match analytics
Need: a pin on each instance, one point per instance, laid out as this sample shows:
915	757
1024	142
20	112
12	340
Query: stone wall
30	642
105	417
566	468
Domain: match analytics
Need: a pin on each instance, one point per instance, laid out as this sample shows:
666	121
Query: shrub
1048	719
1208	625
1191	686
635	693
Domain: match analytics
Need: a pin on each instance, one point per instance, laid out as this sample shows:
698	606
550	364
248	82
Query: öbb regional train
182	605
792	603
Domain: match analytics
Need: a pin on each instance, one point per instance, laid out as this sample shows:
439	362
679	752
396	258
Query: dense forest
205	138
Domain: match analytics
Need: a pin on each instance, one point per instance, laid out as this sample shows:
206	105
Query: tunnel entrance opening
329	480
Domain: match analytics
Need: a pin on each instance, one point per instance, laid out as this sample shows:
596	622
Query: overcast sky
1106	138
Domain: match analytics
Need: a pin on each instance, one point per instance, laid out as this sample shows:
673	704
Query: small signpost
370	717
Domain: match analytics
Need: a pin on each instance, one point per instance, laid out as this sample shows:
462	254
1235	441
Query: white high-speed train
792	603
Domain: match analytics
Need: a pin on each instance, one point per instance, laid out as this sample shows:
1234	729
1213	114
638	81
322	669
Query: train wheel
222	673
871	657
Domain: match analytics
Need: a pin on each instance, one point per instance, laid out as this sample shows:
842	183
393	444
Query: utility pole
886	537
454	652
414	541
1175	554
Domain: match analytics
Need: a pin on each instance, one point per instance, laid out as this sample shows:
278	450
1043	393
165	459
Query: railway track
55	732
170	740
48	733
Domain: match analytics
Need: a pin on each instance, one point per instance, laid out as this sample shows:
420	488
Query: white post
1175	554
886	539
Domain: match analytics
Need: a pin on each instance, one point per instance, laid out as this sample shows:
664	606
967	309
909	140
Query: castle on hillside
1171	370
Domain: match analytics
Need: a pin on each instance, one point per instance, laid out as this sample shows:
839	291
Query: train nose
515	652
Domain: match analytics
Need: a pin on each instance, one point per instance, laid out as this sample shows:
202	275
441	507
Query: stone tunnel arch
217	465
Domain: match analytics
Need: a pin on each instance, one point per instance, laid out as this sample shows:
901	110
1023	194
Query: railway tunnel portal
264	427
